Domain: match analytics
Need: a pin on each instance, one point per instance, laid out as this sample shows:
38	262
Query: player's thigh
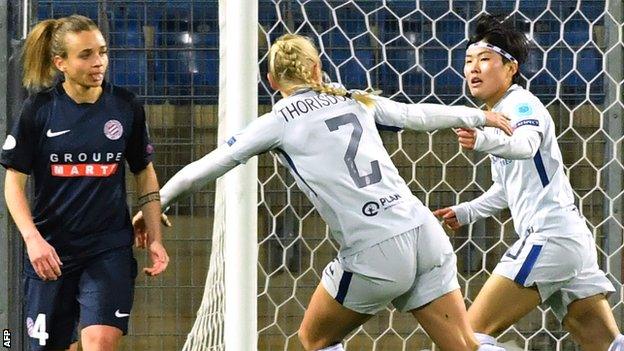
500	303
590	281
446	322
51	313
534	268
326	321
107	289
591	322
436	268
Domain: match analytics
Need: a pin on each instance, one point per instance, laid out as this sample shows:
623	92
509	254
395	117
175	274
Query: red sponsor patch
84	170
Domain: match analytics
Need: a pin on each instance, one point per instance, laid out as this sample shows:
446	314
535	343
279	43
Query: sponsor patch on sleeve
527	122
524	109
231	141
10	143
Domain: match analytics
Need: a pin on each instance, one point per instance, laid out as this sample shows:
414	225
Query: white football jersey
332	148
537	190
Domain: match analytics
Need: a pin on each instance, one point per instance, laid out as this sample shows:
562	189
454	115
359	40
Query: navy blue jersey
76	154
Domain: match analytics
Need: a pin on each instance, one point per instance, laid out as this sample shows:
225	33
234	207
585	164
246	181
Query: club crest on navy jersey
113	129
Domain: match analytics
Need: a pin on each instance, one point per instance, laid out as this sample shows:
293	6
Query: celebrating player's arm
523	144
261	135
426	117
486	205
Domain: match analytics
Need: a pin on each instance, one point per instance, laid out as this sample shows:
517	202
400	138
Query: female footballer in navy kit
73	137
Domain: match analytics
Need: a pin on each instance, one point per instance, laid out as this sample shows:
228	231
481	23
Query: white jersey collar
511	89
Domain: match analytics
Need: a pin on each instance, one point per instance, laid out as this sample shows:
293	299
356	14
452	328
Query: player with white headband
554	259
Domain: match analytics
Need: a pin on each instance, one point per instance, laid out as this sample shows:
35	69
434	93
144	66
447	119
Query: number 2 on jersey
361	181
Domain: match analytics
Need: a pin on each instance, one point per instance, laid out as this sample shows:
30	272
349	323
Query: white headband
505	54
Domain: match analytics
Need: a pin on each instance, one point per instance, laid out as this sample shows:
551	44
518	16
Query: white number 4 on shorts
37	329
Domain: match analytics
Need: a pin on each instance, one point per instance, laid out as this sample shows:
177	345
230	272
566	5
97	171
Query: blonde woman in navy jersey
554	259
74	137
392	249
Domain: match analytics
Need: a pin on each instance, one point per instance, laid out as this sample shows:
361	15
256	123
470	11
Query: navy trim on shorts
541	170
514	256
528	264
344	286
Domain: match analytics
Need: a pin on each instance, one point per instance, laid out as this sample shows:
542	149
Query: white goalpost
227	317
239	72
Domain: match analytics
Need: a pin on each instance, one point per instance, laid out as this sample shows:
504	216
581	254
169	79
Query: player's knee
100	340
582	333
313	343
306	340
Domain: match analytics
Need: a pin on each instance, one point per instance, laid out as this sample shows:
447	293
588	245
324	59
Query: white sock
486	347
337	347
485	339
617	344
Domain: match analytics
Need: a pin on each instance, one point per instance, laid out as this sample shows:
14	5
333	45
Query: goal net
413	52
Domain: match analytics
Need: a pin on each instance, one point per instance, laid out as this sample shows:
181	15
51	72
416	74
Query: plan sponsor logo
372	208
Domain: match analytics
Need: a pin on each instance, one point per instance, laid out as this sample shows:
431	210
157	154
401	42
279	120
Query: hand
467	138
448	215
159	258
498	120
140	231
43	257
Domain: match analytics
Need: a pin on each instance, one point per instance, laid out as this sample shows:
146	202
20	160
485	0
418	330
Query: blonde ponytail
38	68
45	41
291	60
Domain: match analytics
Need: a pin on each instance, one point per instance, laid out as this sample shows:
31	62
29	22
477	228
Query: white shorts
563	268
408	270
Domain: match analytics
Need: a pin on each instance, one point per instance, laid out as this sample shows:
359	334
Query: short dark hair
502	33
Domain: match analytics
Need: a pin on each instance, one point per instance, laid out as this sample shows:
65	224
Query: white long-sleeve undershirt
523	144
486	205
197	174
432	116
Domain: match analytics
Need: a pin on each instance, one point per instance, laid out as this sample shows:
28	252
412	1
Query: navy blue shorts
99	292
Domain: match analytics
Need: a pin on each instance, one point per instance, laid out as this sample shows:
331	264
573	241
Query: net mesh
413	51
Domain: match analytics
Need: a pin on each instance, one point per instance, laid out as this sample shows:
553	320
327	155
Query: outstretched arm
433	116
259	136
486	205
190	178
521	145
197	174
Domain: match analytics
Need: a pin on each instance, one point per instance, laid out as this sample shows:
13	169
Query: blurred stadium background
167	53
